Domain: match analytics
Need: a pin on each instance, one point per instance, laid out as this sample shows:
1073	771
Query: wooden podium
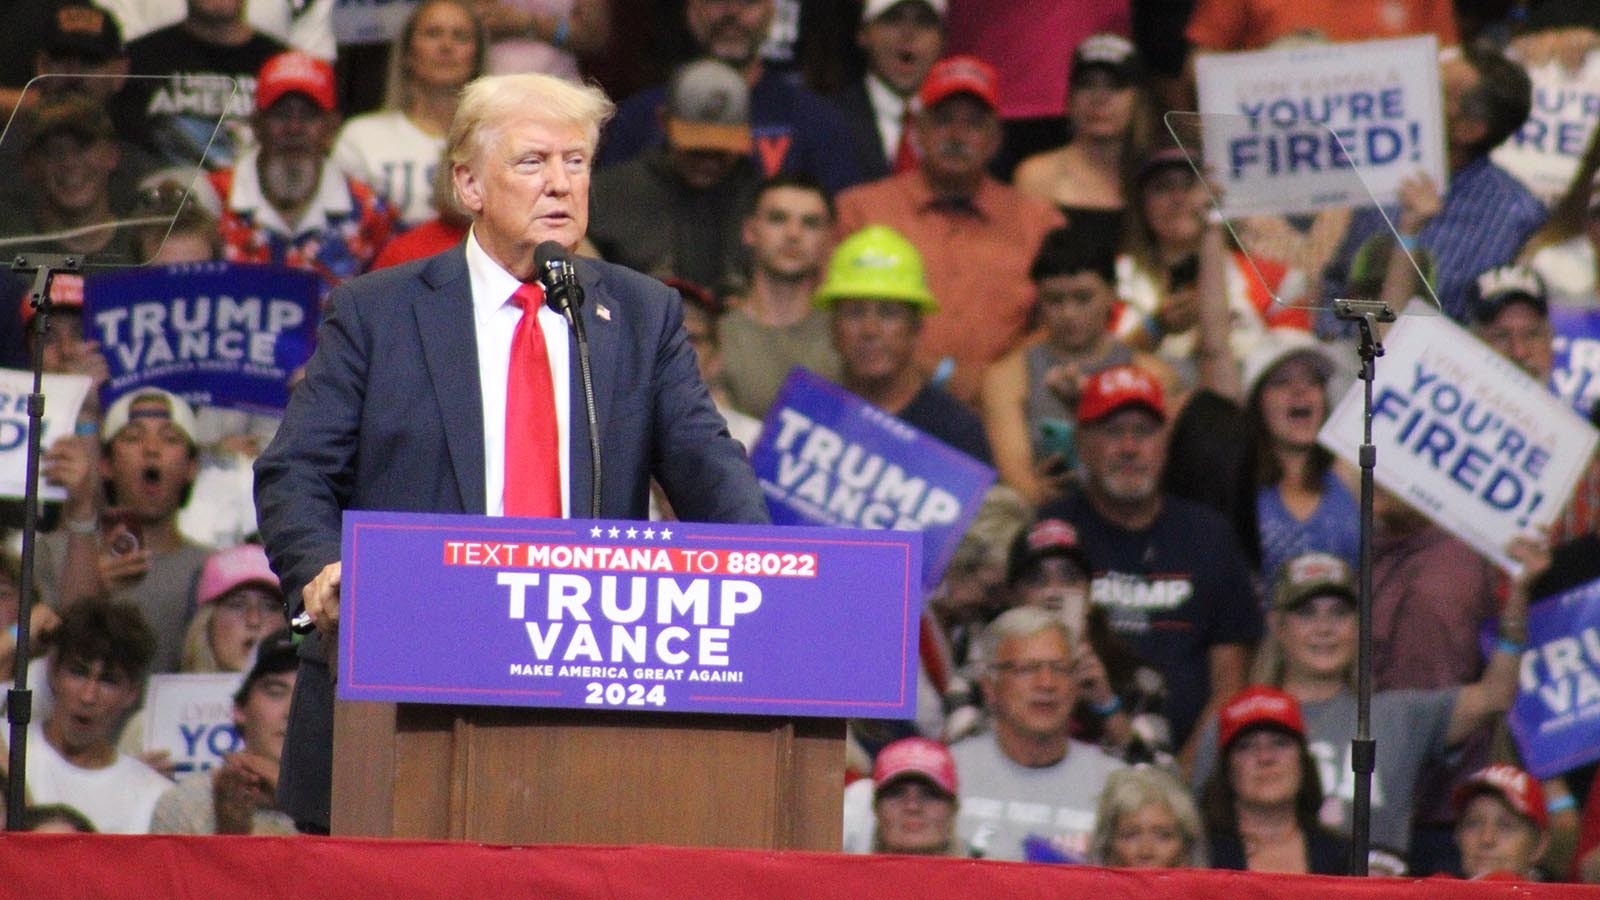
540	776
572	682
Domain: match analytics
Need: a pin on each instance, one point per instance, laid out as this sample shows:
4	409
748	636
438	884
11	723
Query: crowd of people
1142	653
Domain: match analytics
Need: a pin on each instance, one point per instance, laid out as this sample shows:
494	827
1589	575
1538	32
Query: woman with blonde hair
1147	819
239	602
396	149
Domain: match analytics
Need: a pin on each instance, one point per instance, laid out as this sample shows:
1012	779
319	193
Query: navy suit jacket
390	417
861	120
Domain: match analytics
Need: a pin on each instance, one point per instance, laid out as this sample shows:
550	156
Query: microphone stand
566	295
19	699
1367	314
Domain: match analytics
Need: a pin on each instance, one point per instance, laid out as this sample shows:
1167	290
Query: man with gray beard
283	202
978	236
1174	583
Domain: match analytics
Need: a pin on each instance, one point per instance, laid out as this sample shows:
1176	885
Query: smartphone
122	531
1057	437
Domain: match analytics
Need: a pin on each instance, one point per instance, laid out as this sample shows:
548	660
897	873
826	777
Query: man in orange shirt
976	235
1227	25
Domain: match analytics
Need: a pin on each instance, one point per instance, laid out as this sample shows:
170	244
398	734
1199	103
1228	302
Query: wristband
1561	804
563	28
1111	707
1152	326
13	632
86	428
1506	645
1408	242
83	526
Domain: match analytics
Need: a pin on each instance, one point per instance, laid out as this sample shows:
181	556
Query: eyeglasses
1033	667
242	604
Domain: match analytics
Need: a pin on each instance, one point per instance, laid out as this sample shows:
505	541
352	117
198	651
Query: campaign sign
1283	129
1465	436
1575	375
217	334
665	616
370	21
1545	152
827	457
63	397
1556	716
191	717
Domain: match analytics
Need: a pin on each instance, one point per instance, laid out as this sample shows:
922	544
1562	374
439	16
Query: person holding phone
120	537
1028	395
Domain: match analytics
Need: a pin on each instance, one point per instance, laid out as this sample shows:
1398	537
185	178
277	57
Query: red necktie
533	460
905	153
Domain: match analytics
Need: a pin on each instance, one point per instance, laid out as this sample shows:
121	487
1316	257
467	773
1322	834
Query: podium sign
665	616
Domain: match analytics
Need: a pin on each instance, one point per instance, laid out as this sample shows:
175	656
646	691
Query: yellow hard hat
876	263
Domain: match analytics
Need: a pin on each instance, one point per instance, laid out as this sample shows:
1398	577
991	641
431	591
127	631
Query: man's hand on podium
321	598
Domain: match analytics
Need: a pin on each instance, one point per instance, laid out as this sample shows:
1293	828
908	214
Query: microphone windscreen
545	254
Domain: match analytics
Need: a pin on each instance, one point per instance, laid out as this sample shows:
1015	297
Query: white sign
1285	130
1465	436
369	21
63	397
1544	154
191	717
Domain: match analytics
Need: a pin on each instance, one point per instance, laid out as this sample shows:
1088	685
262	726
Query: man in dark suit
412	401
902	39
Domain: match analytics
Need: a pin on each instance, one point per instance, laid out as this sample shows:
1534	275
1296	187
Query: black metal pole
1363	749
19	700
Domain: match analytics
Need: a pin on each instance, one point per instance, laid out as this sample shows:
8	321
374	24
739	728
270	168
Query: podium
576	682
519	776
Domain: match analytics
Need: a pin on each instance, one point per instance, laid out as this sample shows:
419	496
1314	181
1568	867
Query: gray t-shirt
190	807
1003	804
756	358
165	595
1409	728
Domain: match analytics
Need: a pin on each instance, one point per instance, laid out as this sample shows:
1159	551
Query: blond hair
490	101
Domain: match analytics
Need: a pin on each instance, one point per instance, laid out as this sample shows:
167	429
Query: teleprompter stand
43	267
1367	315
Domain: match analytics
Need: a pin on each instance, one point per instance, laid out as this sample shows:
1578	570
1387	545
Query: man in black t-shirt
1170	574
174	118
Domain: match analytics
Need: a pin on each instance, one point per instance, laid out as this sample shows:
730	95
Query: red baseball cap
294	72
1257	706
1110	390
66	295
961	75
1517	788
915	757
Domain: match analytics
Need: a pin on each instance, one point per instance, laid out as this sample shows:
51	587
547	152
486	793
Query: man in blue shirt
792	129
1486	215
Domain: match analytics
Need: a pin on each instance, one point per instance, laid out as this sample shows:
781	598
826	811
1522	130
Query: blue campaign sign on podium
648	616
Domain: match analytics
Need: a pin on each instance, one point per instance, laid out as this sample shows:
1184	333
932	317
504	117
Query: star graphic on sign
595	531
613	532
649	533
633	532
666	534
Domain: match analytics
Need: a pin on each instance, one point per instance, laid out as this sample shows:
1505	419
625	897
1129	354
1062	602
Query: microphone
559	278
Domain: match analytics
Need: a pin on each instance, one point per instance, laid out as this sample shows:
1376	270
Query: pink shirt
1030	44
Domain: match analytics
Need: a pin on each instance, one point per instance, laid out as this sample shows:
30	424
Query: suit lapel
446	328
603	330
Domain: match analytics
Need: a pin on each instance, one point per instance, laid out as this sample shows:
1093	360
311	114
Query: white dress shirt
890	109
495	321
